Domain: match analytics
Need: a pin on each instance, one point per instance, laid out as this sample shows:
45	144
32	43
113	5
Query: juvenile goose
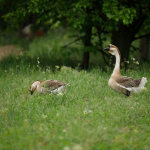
48	86
123	84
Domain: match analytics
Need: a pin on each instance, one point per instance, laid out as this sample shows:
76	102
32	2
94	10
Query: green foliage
77	12
81	15
119	13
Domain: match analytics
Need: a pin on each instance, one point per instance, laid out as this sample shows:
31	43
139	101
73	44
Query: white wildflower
87	111
57	67
44	116
104	128
64	130
4	110
77	147
21	53
60	94
127	62
133	59
144	89
137	63
66	148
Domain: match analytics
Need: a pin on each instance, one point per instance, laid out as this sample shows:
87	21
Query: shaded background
74	33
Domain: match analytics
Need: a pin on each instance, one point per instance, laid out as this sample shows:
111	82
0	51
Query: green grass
89	116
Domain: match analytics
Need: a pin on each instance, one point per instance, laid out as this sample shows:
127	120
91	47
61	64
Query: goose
123	84
48	86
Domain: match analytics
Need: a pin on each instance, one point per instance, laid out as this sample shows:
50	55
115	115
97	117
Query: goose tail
143	82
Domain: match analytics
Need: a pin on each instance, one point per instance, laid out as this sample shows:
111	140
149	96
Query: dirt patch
9	50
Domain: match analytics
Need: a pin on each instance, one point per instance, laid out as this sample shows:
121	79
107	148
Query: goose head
34	86
112	49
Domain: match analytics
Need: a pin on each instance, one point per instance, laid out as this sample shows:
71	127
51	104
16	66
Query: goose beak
31	92
107	48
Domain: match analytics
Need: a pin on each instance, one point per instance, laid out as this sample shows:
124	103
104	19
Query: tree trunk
144	48
85	60
87	44
124	37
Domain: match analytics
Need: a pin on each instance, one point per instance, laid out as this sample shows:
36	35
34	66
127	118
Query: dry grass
9	50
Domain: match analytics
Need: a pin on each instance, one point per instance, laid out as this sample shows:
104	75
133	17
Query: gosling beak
107	48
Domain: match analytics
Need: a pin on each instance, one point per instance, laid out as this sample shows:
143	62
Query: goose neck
117	65
39	88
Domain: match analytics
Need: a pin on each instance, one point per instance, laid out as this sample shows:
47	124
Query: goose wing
128	82
52	84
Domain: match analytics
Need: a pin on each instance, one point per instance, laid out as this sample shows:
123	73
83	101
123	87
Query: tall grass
90	116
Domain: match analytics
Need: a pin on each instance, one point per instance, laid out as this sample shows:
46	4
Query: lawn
90	116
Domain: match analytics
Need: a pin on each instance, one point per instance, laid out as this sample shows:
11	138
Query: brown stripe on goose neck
37	80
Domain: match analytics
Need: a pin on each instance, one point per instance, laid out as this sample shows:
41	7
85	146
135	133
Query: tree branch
142	36
102	52
71	43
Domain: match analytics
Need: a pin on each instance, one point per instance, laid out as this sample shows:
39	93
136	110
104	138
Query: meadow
90	116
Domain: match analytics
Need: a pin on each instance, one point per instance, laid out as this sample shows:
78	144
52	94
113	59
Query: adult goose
123	84
48	86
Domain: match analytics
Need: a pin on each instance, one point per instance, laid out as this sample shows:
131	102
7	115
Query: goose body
48	86
123	84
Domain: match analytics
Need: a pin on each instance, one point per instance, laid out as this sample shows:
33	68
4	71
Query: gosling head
112	49
34	86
